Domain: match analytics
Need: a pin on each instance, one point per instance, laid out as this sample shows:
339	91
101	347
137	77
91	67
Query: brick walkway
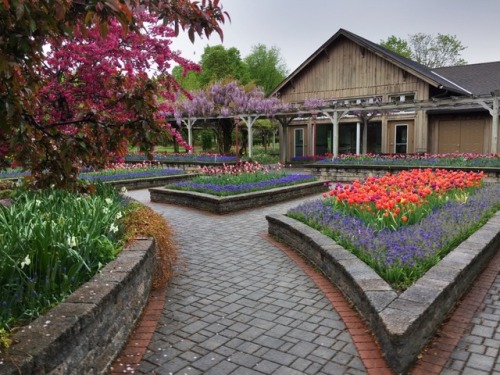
243	304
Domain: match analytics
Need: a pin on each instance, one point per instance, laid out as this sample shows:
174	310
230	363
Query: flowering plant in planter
240	178
403	224
454	159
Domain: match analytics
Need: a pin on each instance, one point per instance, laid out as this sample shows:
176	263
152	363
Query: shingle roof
474	80
479	79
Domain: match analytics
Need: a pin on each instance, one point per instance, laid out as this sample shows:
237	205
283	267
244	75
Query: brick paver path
241	305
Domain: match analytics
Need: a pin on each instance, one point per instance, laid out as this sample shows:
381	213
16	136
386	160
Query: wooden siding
462	133
346	70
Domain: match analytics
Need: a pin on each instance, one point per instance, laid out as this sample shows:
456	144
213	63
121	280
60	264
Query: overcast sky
300	27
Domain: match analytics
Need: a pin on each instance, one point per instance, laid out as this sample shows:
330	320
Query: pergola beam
336	110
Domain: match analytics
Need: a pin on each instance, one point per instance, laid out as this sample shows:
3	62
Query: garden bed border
233	203
350	173
86	332
404	323
144	183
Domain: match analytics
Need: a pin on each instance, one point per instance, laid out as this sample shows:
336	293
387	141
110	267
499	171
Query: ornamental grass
239	178
401	225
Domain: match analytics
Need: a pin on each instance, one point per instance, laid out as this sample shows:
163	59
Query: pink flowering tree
221	103
102	87
101	95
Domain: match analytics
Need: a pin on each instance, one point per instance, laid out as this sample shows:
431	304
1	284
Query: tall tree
92	90
431	51
266	67
398	45
218	63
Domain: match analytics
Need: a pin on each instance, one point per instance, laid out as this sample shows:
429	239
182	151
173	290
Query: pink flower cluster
239	168
176	135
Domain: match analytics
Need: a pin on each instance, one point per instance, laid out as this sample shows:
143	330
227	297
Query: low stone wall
145	183
86	332
224	205
349	173
402	323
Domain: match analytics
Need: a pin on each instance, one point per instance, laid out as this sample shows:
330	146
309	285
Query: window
401	98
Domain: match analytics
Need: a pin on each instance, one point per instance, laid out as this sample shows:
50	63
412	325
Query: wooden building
365	79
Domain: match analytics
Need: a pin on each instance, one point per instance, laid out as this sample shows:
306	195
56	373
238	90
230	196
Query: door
401	139
461	136
298	141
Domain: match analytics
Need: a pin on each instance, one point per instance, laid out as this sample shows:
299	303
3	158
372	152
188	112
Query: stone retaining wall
402	323
224	205
145	183
86	332
345	173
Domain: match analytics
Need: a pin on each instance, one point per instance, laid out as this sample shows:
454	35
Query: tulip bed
403	224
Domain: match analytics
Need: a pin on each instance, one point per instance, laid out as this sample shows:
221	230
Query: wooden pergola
335	110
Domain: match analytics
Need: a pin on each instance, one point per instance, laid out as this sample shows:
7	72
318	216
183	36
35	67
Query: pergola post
189	122
249	121
358	138
335	134
494	126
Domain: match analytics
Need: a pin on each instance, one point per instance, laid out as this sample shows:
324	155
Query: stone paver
240	305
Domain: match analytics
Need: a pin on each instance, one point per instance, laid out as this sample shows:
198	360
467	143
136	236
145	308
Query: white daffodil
26	261
113	228
118	216
105	210
123	190
109	201
71	241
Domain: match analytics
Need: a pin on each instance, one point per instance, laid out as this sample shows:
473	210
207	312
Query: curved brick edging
224	205
401	323
84	333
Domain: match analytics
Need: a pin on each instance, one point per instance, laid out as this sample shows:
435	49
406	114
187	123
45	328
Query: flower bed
404	227
235	187
128	172
403	224
182	158
468	160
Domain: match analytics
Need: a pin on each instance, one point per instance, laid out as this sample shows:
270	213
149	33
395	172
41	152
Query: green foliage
429	50
189	81
53	241
5	340
398	45
206	139
266	67
219	63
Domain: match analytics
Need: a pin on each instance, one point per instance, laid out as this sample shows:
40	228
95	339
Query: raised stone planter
349	173
144	183
224	205
86	332
402	323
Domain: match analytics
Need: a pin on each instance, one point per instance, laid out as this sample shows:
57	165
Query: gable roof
479	79
417	69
